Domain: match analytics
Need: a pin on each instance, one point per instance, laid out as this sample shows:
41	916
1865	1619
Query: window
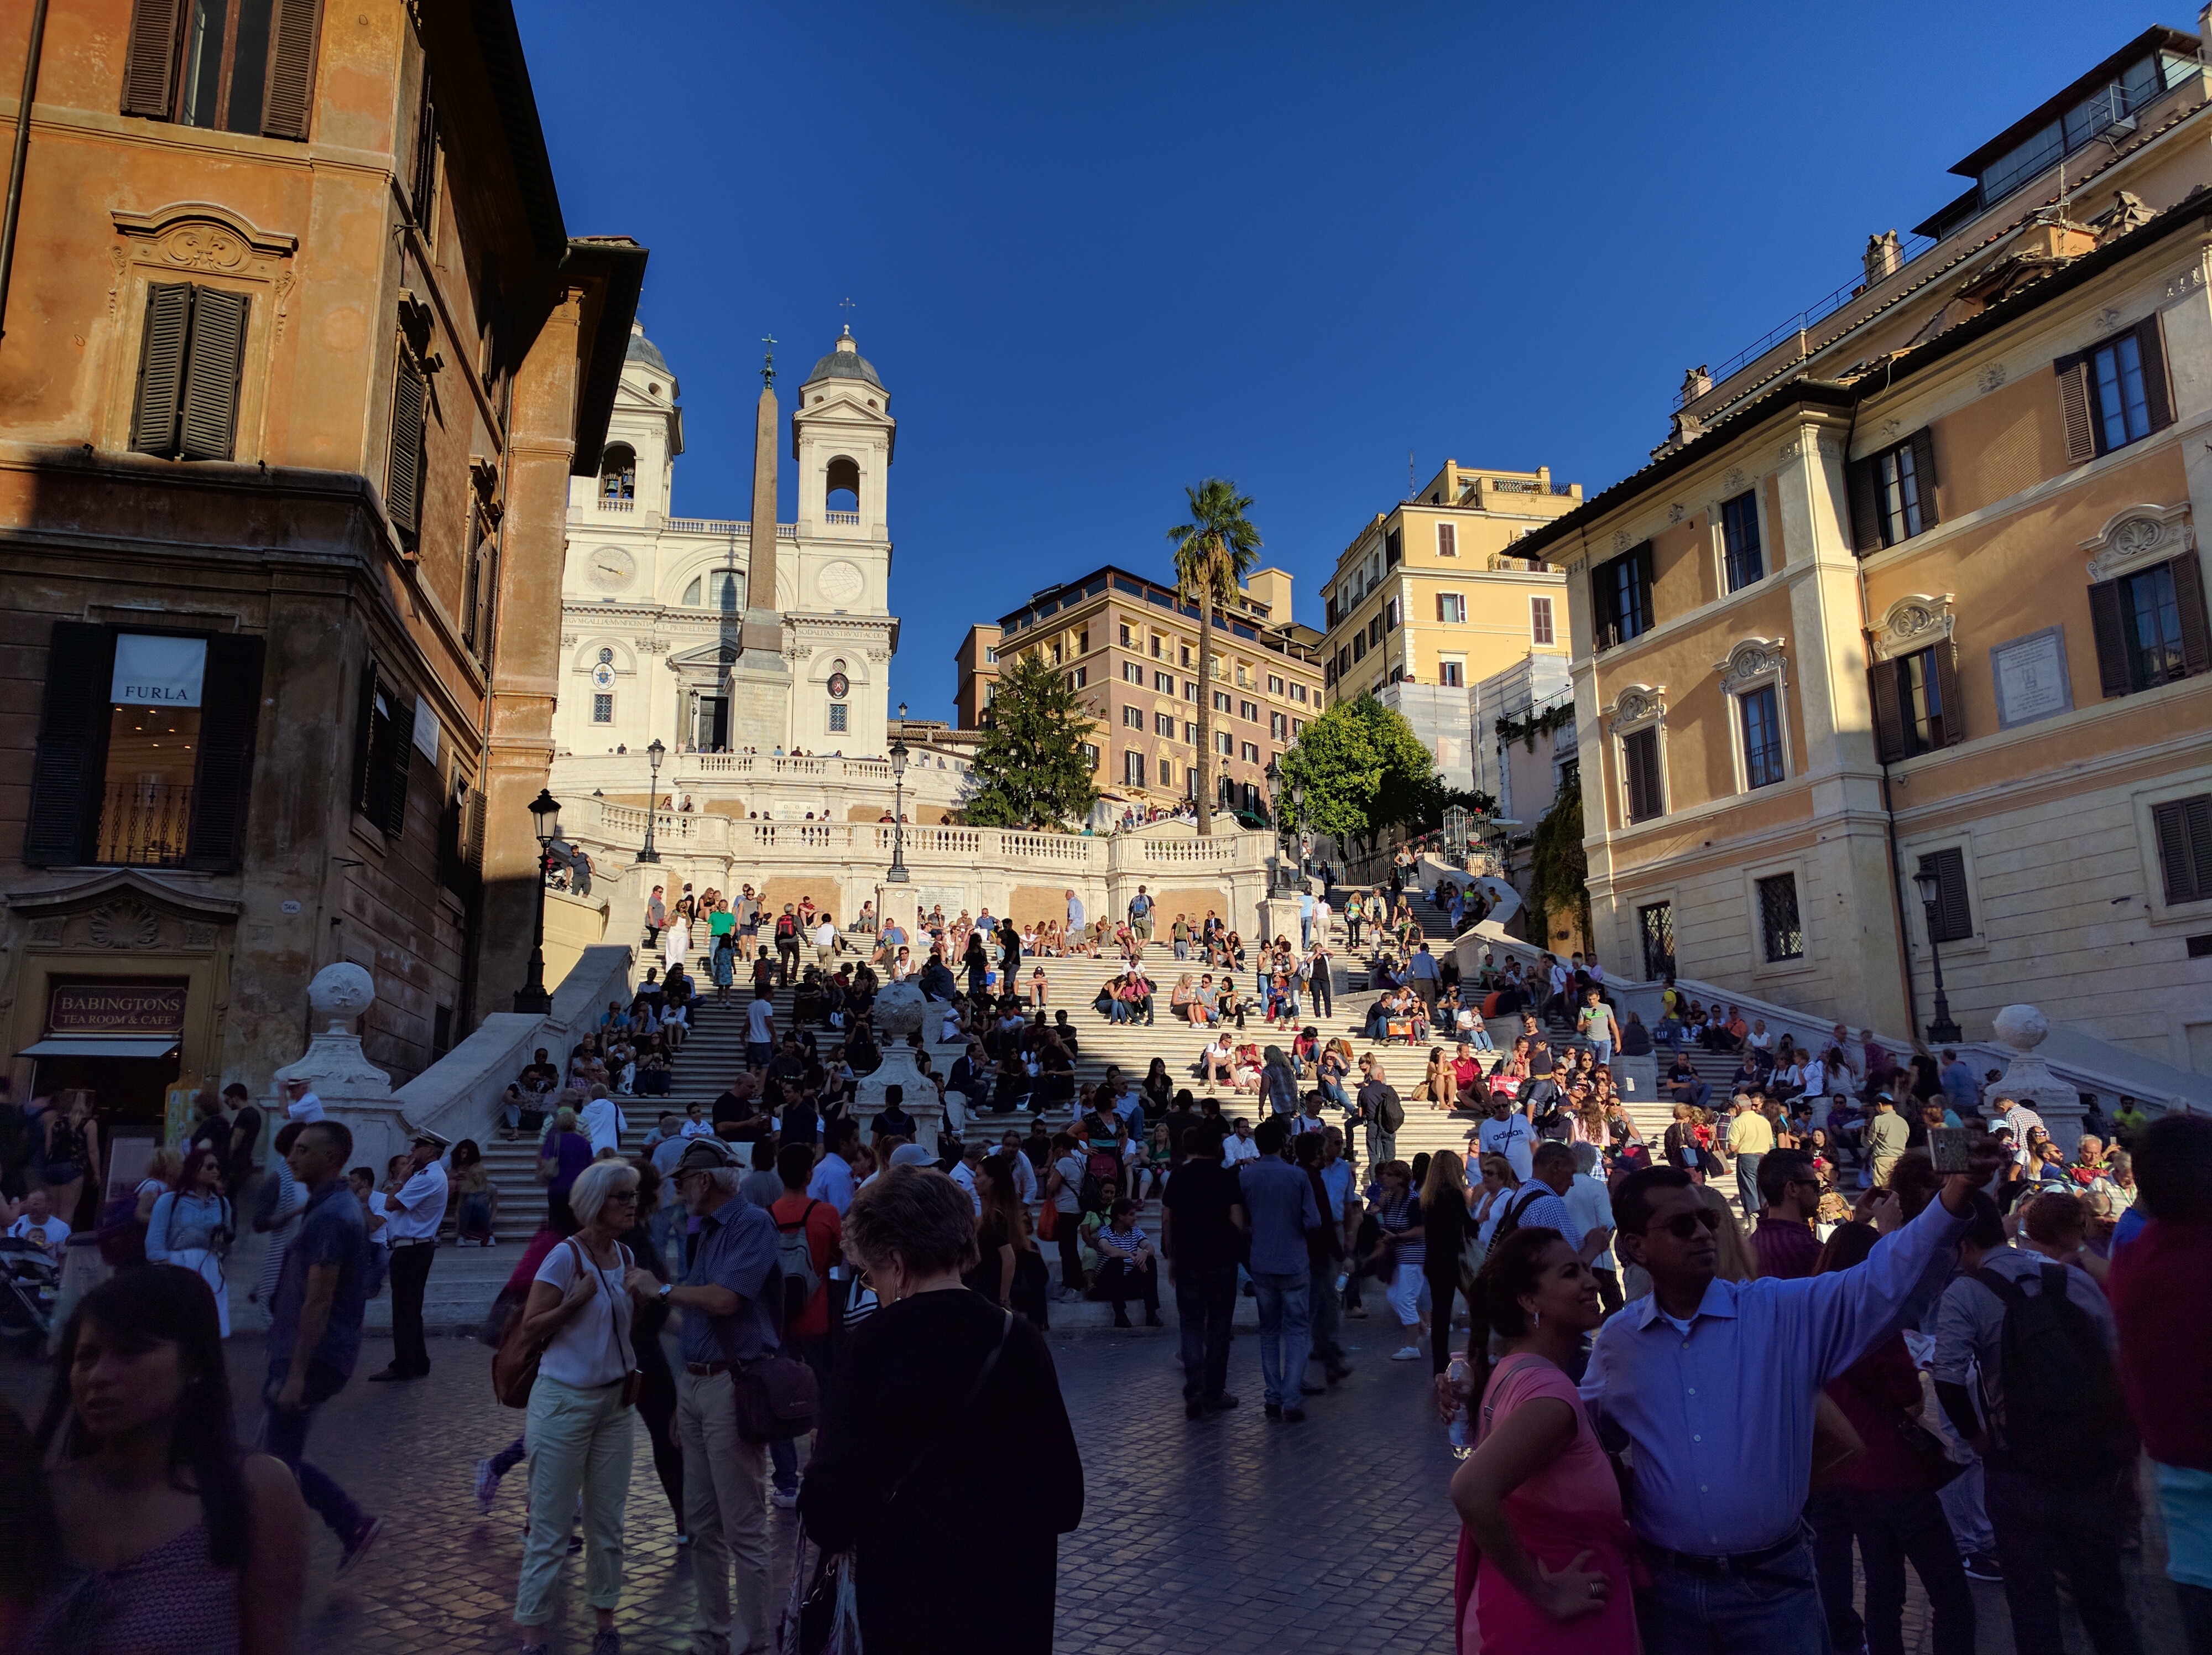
1128	638
1274	684
2114	394
1133	718
1249	711
480	609
2184	827
990	656
1090	756
1224	703
1079	678
603	708
1225	744
1298	692
1620	596
1955	919
1451	608
1639	763
1190	733
1375	631
383	736
1053	648
1297	728
234	65
1740	540
1190	690
1394	549
1781	936
1390	615
404	464
837	718
617	472
1447	541
1655	926
1916	703
1082	642
189	368
1249	753
1159	647
1451	674
1358	645
1164	724
1540	621
1131	672
1278	727
2149	627
1132	769
1167	773
422	194
1760	711
1164	682
1893	493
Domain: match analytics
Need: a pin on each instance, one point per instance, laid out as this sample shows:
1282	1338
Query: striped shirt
1119	1244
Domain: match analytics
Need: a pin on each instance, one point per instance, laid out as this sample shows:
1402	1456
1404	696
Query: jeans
2045	1529
1285	1332
1381	1146
1892	1528
725	1512
1205	1299
1603	1050
1746	1184
579	1441
1773	1610
1327	1307
1480	1036
1324	1006
286	1437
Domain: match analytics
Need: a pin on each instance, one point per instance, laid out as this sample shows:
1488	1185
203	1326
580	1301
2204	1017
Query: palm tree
1214	551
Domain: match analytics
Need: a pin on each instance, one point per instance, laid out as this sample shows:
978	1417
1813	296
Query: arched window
618	472
721	589
844	485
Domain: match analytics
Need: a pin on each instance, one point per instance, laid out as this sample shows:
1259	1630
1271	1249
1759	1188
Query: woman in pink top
1545	1555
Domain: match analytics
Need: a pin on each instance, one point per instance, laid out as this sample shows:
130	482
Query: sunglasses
1683	1225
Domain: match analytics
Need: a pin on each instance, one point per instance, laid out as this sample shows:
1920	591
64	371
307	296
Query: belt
705	1370
1728	1563
414	1241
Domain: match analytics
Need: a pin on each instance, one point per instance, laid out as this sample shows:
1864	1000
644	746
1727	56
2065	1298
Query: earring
1536	1320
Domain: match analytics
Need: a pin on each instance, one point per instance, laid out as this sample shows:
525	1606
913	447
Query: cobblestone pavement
1227	1535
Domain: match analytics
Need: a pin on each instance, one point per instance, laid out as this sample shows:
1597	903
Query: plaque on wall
113	1008
2030	674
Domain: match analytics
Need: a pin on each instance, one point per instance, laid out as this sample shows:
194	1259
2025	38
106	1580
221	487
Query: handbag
514	1365
824	1618
1047	1227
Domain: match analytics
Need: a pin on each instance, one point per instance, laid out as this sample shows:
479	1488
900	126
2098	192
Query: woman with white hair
579	1432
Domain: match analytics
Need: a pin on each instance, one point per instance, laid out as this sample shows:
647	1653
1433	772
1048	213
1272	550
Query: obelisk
760	677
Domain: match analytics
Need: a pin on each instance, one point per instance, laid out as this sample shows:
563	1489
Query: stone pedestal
899	1011
760	694
2019	1029
353	1089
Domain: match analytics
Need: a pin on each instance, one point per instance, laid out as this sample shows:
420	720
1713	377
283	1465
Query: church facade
678	628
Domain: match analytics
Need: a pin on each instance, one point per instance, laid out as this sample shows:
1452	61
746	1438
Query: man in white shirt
1508	1133
603	1124
1074	914
1238	1145
39	1227
696	1123
825	942
1026	1177
964	1174
412	1215
1590	1204
300	1102
2011	1112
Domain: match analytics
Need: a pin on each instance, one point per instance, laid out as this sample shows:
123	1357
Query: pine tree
1030	770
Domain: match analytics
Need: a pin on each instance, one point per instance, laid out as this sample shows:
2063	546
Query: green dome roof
845	362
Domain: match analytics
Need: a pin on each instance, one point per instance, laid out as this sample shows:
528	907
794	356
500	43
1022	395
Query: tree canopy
1365	770
1213	553
1030	770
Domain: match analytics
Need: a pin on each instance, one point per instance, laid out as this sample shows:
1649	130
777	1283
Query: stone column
2021	1029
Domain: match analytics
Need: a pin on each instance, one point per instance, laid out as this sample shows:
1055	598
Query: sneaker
1983	1566
786	1498
487	1487
1407	1353
606	1643
357	1548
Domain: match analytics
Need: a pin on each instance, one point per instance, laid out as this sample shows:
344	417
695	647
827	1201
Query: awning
113	1045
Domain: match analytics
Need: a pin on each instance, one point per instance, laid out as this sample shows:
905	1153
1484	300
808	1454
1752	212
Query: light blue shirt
833	1183
1721	1416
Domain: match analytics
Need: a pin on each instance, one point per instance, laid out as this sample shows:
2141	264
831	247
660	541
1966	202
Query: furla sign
156	672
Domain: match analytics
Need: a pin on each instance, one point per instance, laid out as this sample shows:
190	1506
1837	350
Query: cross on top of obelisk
768	361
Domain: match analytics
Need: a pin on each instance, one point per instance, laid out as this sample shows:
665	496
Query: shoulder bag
514	1365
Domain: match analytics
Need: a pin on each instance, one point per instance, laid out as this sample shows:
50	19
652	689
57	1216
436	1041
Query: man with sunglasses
1789	1191
1713	1382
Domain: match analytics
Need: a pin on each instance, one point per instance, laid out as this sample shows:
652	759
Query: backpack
1509	1219
2058	1384
1389	1113
786	929
794	1257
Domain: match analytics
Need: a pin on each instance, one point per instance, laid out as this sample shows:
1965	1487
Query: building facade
1920	590
654	604
298	358
1131	646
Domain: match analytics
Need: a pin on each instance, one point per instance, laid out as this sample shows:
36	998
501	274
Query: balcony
850	519
607	503
143	824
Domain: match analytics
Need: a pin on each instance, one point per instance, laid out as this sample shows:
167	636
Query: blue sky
1100	249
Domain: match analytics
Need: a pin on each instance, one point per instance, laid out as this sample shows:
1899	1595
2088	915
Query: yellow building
1915	586
1435	595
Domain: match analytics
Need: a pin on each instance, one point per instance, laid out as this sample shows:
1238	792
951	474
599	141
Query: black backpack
1509	1220
2057	1385
1389	1113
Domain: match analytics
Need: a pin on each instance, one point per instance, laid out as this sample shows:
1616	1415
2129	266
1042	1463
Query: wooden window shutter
1922	444
2189	599
1954	918
213	360
149	62
397	753
72	756
2111	637
2184	827
297	28
1943	661
403	493
2150	341
1646	613
1603	620
230	715
475	832
161	368
421	193
1866	507
2074	408
364	744
1888	711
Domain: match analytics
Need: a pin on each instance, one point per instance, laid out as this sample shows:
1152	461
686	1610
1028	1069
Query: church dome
845	362
642	349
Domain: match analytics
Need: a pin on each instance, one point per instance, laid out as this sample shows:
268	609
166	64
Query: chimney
1695	383
1883	256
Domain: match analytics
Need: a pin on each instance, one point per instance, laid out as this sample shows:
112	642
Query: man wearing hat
1886	1134
728	1299
412	1215
300	1102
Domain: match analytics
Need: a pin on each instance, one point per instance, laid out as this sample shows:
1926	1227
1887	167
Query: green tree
1365	770
1030	770
1214	551
1558	872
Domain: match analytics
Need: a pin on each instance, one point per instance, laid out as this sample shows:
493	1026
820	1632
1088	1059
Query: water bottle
1461	1378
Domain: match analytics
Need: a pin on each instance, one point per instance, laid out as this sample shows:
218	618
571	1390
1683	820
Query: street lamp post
545	821
1942	1031
1274	775
897	874
653	755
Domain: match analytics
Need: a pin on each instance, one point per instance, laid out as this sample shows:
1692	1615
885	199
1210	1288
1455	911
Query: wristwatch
666	1288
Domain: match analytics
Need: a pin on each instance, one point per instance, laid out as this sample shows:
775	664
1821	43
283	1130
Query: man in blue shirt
314	1324
728	1300
1713	1383
1279	1199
